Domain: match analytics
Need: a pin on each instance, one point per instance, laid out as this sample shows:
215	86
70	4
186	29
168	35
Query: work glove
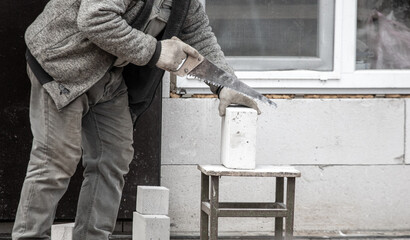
228	96
173	52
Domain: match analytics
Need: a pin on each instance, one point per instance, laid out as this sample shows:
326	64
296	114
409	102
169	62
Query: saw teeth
263	98
204	80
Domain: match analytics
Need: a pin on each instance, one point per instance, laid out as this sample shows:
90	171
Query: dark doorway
15	134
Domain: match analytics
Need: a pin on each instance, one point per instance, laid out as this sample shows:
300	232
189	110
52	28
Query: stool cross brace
212	209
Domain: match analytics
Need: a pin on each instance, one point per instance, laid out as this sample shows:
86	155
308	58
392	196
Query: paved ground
123	232
125	237
304	236
5	236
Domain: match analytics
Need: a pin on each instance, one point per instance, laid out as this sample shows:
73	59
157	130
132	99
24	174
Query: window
347	46
274	34
383	34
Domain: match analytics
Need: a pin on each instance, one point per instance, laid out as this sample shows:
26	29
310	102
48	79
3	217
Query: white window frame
344	79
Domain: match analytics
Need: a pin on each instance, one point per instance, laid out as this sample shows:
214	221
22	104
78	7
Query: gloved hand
173	52
228	96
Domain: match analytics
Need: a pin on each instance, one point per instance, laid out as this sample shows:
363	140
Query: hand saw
201	68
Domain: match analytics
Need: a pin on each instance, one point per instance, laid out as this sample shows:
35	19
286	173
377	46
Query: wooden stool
212	209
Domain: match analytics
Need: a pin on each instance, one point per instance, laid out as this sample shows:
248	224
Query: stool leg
214	207
290	205
204	220
279	198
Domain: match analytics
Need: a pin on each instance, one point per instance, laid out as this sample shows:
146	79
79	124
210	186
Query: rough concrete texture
238	140
150	227
152	200
328	198
62	231
191	131
299	131
350	152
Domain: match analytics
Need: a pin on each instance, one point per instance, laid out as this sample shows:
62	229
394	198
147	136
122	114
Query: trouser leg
56	150
108	151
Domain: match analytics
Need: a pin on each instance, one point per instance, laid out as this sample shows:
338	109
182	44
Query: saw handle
188	64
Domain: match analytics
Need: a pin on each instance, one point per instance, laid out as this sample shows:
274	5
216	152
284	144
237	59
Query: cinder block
62	231
152	200
299	131
150	227
238	140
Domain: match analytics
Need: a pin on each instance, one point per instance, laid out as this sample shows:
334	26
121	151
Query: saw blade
210	73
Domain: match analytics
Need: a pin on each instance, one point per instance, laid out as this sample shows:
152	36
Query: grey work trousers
97	126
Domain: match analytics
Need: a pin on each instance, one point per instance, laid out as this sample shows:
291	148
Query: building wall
351	152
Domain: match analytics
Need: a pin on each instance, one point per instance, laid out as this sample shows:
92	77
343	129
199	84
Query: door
15	134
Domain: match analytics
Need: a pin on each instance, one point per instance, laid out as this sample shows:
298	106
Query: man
83	100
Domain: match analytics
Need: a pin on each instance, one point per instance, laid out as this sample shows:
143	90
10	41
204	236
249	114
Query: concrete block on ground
152	200
238	140
150	227
62	231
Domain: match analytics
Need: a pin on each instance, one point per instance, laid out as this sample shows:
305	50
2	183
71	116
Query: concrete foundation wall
351	152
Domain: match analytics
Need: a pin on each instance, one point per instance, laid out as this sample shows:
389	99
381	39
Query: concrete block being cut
62	231
152	200
150	227
238	143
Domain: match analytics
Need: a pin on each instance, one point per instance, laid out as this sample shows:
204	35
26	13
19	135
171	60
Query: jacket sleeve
197	33
102	23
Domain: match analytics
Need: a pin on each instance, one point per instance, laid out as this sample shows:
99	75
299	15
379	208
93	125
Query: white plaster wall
327	199
299	131
351	153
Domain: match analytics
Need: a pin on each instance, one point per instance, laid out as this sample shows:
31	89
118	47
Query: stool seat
212	209
259	171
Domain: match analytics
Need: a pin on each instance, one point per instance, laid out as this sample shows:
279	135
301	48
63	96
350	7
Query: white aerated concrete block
62	231
152	200
299	131
150	227
239	138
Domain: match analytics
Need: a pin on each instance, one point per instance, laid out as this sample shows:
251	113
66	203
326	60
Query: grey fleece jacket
77	41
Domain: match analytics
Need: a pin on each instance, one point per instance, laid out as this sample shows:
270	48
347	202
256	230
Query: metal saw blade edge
225	79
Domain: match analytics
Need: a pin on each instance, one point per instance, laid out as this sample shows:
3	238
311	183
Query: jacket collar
176	19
